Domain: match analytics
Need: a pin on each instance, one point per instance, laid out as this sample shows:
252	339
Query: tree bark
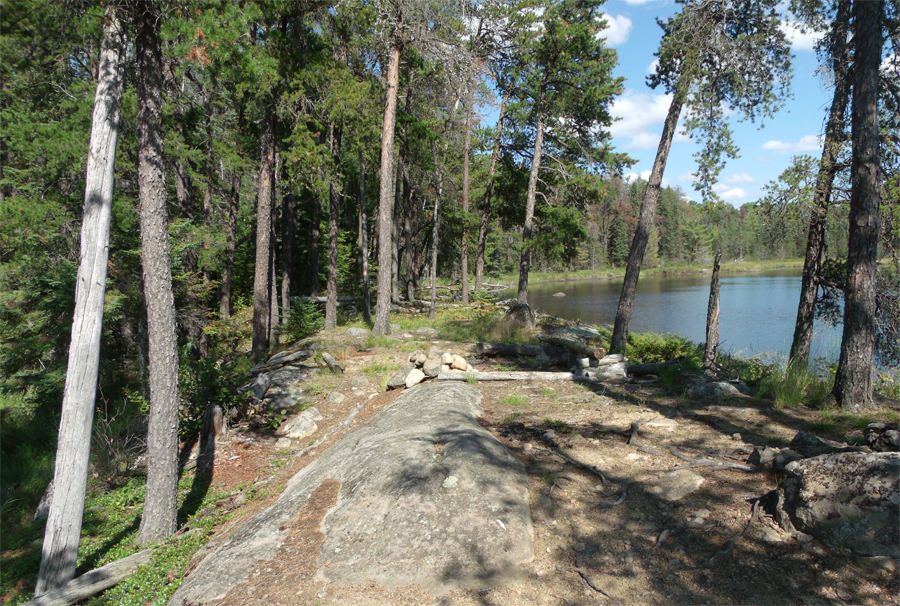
95	581
273	277
815	243
263	241
395	239
313	276
333	217
288	229
853	381
63	531
712	318
486	204
467	152
364	242
160	506
382	324
434	238
642	232
525	257
228	273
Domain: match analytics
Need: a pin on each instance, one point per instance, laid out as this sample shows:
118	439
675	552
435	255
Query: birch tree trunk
63	531
364	241
815	242
434	239
642	232
853	381
382	324
160	506
263	241
488	191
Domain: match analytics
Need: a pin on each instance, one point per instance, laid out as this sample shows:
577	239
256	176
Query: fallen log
95	581
458	375
576	346
639	370
484	348
333	364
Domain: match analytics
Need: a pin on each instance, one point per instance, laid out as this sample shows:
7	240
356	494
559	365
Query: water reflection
757	317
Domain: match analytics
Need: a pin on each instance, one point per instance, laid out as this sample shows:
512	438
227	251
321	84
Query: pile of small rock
427	366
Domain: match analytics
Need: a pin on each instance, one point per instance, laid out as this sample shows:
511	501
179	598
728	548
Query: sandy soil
597	540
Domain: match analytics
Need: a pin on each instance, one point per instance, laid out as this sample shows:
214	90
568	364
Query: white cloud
644	141
617	29
729	193
637	113
651	69
735	179
687	177
800	40
637	1
805	144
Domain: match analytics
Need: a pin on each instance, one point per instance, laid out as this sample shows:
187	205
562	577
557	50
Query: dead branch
730	544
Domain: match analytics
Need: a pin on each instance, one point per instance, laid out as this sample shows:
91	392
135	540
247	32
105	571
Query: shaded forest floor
595	542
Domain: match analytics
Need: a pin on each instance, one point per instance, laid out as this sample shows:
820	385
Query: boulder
848	500
883	437
459	363
676	485
700	389
414	377
432	366
559	294
521	316
427	331
257	387
299	427
336	397
414	355
435	351
399	379
611	359
807	445
447	358
354	331
397	518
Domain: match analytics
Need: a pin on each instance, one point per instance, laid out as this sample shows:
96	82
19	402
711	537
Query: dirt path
620	539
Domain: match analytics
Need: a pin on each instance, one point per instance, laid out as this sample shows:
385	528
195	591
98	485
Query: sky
764	152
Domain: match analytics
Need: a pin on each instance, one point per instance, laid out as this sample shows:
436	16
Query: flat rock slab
427	496
676	485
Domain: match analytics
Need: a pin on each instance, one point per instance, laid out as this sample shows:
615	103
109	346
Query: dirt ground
602	534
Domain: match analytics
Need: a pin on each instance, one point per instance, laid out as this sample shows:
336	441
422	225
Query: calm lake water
758	310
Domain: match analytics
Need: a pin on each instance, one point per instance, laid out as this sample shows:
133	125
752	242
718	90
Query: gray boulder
302	425
399	518
427	331
354	331
699	389
848	500
399	379
521	316
432	366
883	437
257	387
414	377
676	485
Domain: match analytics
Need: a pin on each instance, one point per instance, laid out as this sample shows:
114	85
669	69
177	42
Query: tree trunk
228	273
333	217
63	531
853	382
712	318
815	243
488	191
382	324
364	242
263	241
313	276
467	152
642	232
161	503
409	256
395	239
288	229
273	278
525	258
434	238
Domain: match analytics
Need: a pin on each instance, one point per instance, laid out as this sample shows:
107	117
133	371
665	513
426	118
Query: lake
758	310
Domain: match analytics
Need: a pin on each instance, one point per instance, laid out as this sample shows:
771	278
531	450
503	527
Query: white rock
414	377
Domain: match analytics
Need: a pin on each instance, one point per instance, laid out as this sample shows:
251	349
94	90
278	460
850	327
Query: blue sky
764	153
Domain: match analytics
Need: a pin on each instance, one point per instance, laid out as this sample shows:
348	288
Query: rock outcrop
427	496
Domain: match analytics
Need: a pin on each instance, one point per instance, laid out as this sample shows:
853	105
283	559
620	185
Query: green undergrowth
111	521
